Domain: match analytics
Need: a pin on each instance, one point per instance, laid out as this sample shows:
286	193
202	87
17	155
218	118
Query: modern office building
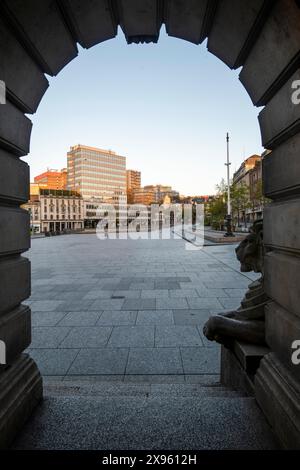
96	173
54	210
133	180
52	179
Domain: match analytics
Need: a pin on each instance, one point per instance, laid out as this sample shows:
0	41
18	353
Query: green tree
222	188
240	201
218	213
239	198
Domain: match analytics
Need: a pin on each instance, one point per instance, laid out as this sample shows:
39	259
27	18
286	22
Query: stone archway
262	37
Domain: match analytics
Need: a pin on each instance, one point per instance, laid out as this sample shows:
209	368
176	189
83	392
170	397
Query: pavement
161	419
129	310
117	334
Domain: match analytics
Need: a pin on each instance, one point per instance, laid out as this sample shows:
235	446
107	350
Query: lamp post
228	217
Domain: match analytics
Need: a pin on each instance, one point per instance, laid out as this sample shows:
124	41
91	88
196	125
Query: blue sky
166	107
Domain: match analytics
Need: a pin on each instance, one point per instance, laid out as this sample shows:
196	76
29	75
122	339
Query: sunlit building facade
54	210
52	179
133	180
241	176
157	194
96	173
143	196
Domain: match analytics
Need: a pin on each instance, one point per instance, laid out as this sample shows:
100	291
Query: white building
54	210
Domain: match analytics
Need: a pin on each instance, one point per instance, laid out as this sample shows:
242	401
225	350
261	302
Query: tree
222	188
240	200
218	211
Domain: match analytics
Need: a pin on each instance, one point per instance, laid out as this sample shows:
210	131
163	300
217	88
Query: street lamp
228	217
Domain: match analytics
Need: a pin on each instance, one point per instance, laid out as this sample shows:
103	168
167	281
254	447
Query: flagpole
228	217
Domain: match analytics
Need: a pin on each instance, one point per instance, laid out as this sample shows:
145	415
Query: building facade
249	174
143	196
155	194
55	210
256	191
242	174
52	179
133	182
96	173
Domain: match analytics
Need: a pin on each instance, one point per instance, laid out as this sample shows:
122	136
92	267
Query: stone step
145	423
100	389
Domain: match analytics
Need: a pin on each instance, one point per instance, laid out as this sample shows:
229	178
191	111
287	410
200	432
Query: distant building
133	183
242	174
155	194
250	175
90	211
96	173
52	179
199	199
54	210
143	196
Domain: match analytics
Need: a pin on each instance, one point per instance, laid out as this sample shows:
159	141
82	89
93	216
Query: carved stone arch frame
39	37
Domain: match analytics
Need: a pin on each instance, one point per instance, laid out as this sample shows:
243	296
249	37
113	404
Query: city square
117	335
128	308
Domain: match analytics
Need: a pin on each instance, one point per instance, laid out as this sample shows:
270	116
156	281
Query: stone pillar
277	383
270	56
20	381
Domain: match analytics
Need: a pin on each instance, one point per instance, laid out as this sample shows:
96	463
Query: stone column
20	381
278	379
22	69
270	55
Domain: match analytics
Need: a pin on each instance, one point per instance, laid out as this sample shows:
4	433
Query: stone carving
247	322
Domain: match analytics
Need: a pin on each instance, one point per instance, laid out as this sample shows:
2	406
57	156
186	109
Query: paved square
132	337
154	361
130	310
100	361
87	337
155	317
117	317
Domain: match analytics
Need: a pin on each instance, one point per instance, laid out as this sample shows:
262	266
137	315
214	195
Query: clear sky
166	107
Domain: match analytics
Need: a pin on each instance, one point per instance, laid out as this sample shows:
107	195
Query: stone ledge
239	365
250	355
